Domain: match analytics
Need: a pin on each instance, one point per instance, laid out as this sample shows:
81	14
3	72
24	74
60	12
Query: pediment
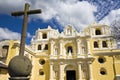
69	31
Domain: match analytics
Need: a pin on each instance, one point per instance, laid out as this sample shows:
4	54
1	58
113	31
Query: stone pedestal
19	78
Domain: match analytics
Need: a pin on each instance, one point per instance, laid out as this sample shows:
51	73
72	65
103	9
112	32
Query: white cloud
29	35
113	15
8	6
79	14
8	34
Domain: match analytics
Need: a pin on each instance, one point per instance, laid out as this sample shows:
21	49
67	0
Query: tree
115	29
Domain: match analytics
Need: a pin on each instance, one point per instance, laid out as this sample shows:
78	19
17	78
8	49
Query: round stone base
18	78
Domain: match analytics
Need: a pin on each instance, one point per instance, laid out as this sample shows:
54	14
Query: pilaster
109	44
61	48
51	47
78	47
51	72
79	71
100	44
61	71
90	70
88	46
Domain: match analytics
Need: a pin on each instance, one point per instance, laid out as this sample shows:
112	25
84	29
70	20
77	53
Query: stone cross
26	12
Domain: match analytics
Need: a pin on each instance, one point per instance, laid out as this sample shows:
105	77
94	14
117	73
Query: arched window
98	32
95	44
44	35
39	47
70	49
104	44
46	47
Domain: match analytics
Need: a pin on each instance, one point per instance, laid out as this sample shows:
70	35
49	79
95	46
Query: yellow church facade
91	54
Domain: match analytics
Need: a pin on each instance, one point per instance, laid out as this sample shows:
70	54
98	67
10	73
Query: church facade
91	54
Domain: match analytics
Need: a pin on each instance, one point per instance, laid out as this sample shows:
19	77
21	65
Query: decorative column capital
90	62
51	63
60	40
79	62
52	42
61	63
78	40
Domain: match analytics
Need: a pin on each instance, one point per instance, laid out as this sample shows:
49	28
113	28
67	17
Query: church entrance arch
70	72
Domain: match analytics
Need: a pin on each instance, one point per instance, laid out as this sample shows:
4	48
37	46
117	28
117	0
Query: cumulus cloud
79	14
8	34
8	6
113	15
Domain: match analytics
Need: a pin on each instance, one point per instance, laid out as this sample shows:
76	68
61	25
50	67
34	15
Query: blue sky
57	14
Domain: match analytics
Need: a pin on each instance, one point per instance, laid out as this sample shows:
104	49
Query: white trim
117	75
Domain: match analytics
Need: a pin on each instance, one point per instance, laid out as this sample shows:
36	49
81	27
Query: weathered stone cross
26	12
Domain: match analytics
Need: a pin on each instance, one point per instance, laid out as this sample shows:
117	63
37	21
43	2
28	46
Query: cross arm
19	13
34	11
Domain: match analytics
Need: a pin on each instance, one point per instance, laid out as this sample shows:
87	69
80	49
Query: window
46	47
70	49
95	44
69	31
103	71
104	44
42	61
101	59
41	72
39	47
98	32
5	51
44	35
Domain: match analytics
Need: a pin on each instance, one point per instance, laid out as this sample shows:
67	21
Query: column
51	71
61	71
94	31
88	45
78	47
103	30
100	44
61	47
39	35
114	43
79	71
51	47
108	43
90	72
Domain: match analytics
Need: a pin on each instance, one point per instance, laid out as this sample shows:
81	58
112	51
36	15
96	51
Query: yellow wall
108	65
11	53
117	64
37	67
3	74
